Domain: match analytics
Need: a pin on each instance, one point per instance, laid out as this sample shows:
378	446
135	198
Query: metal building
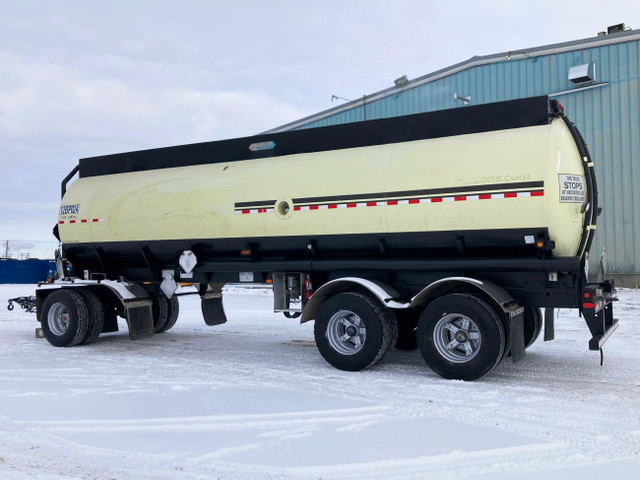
596	79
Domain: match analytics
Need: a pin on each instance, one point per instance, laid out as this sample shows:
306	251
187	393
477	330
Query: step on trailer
448	231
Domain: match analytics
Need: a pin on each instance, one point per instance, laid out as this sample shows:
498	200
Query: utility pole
6	249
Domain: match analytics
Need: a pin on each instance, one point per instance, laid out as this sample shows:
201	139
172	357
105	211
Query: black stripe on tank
495	187
255	204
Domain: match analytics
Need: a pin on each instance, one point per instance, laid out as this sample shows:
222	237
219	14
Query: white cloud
49	99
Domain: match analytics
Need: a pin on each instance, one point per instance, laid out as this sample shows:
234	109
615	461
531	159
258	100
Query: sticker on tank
572	188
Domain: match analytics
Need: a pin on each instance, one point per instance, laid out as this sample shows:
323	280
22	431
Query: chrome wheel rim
58	319
457	338
346	332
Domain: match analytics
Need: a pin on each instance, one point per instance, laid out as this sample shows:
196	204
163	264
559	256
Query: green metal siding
607	116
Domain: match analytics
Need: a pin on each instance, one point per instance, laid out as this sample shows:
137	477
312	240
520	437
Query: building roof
477	60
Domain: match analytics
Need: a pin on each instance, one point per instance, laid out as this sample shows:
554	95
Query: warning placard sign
572	188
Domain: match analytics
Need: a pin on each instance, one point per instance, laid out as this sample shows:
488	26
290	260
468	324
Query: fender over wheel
461	336
353	331
64	318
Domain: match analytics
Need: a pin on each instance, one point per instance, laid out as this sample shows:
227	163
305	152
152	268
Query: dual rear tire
460	336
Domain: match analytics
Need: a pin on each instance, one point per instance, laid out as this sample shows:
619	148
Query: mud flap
212	309
110	323
517	336
139	319
549	324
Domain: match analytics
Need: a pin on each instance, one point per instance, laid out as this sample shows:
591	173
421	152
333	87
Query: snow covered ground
252	399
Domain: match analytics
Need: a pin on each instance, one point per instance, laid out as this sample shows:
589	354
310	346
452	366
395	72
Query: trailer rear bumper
598	340
597	308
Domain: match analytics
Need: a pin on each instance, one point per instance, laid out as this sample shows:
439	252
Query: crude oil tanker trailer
448	231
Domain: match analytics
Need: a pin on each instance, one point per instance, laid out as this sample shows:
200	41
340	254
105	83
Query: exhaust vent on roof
616	28
580	74
401	82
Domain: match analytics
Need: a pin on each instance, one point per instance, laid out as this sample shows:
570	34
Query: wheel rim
58	319
457	338
346	332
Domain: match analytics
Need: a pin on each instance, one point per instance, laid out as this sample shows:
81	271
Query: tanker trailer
448	231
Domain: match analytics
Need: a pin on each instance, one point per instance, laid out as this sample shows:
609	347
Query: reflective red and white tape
255	210
411	201
84	220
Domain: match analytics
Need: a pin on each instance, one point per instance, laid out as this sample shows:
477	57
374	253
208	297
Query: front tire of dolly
64	318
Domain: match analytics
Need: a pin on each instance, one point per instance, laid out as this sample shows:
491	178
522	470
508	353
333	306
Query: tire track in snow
214	423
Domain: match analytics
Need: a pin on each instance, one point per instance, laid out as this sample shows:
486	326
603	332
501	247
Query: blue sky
87	78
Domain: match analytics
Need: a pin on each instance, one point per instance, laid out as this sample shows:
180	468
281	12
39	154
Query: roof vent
616	28
401	82
584	73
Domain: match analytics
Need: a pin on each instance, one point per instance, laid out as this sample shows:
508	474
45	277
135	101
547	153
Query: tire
353	331
532	325
160	312
96	316
173	311
468	320
64	318
407	323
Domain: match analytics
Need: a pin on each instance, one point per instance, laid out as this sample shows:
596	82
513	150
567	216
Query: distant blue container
26	271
